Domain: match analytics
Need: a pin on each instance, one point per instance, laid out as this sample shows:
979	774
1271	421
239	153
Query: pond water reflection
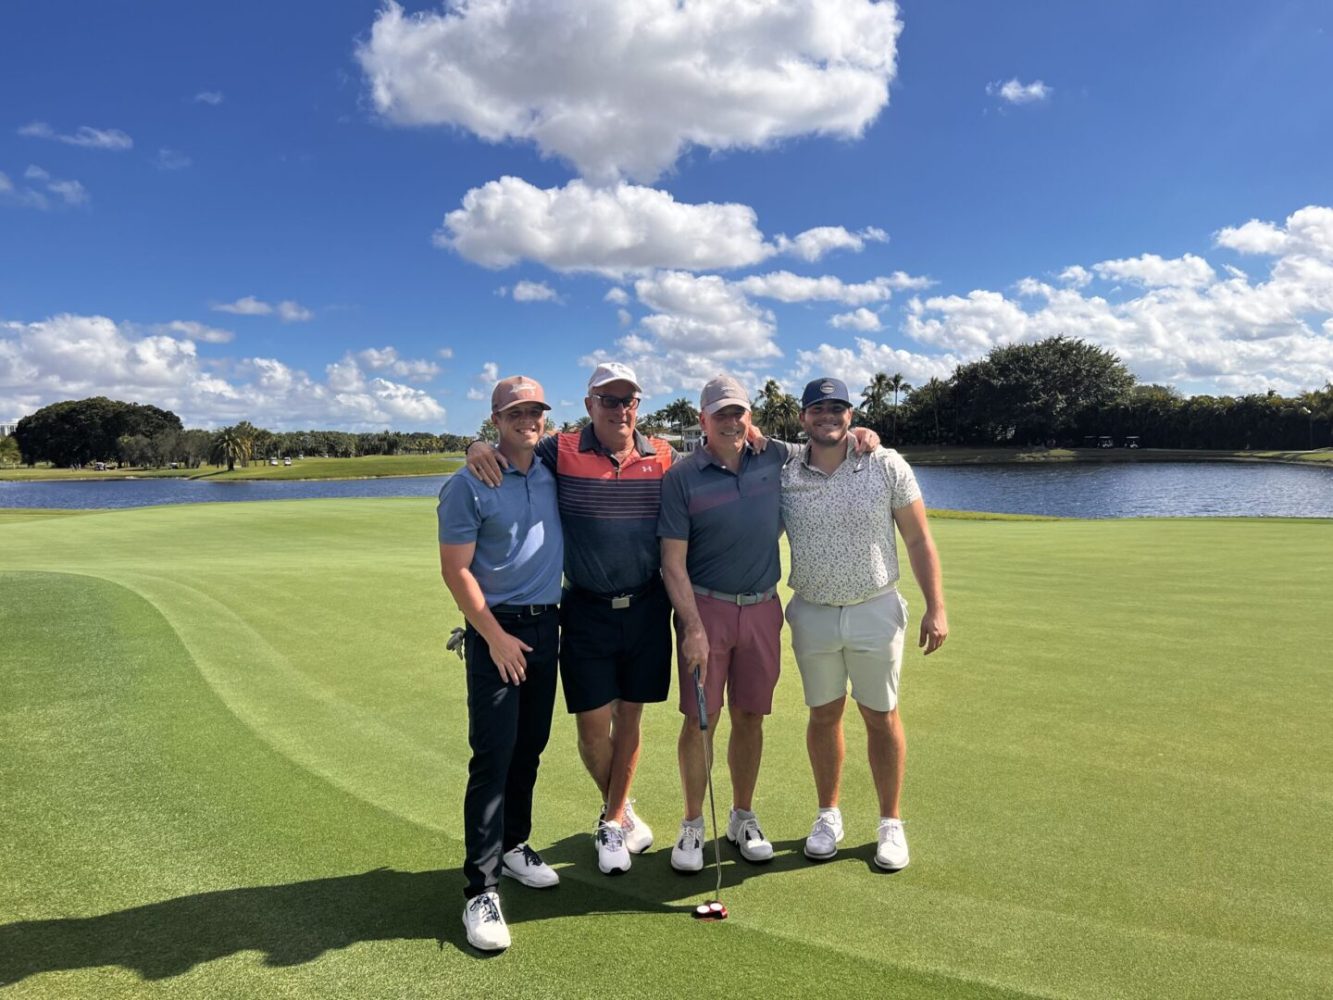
1158	489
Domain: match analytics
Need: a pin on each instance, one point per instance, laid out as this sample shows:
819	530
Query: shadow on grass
297	923
287	924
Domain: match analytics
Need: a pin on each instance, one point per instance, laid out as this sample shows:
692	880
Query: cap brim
722	404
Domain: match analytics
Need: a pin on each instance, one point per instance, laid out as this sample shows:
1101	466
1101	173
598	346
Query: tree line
75	433
1058	391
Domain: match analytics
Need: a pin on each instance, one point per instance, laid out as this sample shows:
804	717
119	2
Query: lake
1152	489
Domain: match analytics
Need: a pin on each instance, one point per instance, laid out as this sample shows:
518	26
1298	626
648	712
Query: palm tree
874	405
776	412
898	384
680	414
231	445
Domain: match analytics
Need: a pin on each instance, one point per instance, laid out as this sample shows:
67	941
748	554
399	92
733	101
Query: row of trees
1063	390
85	431
1060	390
1056	391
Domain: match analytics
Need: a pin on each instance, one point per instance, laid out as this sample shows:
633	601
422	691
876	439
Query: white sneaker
891	855
486	930
638	834
688	854
611	854
743	831
825	835
526	865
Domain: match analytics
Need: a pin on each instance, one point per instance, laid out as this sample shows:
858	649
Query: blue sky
358	216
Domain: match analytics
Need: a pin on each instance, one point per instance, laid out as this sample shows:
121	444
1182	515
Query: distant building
691	438
7	427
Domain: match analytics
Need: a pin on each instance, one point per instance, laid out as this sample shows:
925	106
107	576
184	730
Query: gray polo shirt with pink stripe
731	521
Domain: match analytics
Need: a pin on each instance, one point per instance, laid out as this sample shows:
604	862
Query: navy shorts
611	653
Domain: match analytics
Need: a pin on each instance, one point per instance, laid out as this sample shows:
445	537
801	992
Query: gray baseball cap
720	391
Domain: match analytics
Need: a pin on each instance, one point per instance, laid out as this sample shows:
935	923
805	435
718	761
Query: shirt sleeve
903	488
673	520
790	452
459	511
547	449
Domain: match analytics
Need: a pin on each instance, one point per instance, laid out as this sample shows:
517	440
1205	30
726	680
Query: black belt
617	601
523	610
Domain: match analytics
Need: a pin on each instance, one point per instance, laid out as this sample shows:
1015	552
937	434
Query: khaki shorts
861	643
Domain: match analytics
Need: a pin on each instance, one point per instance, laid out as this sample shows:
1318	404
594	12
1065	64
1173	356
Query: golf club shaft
708	771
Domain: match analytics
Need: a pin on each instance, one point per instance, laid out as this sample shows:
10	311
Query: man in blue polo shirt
501	552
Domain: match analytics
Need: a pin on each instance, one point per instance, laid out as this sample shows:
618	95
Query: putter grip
701	701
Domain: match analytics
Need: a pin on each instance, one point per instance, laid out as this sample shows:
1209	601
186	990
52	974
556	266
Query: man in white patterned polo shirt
847	618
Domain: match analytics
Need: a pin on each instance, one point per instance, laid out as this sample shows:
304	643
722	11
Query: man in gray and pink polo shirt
719	528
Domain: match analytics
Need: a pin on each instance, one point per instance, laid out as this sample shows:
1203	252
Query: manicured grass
232	752
364	467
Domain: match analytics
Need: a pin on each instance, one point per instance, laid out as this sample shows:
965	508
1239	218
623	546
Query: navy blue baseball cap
825	389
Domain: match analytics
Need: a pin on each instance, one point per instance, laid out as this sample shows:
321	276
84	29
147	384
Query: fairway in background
233	754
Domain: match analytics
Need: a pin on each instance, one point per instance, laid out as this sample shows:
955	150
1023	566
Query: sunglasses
608	402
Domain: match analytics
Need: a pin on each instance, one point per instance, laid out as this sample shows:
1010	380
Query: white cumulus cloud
69	357
84	135
712	73
815	243
534	291
610	231
1152	271
1185	326
287	310
621	230
1012	91
860	319
386	360
42	190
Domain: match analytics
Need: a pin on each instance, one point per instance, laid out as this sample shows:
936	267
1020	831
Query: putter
711	909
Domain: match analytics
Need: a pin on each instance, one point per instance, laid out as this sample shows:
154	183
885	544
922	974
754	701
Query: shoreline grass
386	466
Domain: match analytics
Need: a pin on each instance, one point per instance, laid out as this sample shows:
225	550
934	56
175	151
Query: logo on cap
828	387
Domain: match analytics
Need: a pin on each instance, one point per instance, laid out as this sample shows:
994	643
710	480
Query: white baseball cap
613	371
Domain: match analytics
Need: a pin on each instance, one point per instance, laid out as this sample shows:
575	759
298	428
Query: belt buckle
620	602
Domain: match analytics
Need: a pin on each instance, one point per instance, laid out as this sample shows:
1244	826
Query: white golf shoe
526	865
825	835
688	853
485	924
891	855
743	831
612	857
638	834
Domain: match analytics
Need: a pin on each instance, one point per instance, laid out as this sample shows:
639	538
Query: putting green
233	753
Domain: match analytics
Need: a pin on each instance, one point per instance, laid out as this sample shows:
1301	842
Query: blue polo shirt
731	521
520	547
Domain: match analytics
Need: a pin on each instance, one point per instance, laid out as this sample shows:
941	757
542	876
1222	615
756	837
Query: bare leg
824	743
744	751
886	745
594	729
625	716
690	754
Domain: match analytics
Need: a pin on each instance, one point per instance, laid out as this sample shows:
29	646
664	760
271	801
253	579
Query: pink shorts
744	656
